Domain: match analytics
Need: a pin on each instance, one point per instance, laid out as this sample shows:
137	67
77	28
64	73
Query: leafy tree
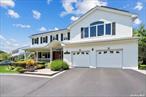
141	33
4	55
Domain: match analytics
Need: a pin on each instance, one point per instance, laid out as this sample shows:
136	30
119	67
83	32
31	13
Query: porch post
51	55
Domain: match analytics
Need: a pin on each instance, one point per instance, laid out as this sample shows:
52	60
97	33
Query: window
46	39
56	36
61	36
100	30
51	38
35	41
41	40
92	31
32	41
82	32
86	32
108	29
68	35
96	23
113	28
39	55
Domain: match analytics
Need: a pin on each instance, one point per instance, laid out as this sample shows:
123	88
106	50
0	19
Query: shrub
142	66
20	69
58	65
30	62
20	63
40	66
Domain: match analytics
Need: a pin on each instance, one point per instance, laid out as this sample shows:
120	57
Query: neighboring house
102	37
19	54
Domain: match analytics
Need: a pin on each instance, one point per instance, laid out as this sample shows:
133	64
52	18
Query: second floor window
98	29
51	38
61	36
45	39
36	41
68	35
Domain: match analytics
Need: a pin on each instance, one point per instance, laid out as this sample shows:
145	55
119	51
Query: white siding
123	24
129	47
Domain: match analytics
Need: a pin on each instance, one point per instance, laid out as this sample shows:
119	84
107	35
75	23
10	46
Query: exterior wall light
92	49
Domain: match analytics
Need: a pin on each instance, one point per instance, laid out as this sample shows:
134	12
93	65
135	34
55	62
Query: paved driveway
78	82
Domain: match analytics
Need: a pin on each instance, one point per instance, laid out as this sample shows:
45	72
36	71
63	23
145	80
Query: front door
57	55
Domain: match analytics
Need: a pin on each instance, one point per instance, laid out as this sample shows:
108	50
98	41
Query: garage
109	58
81	59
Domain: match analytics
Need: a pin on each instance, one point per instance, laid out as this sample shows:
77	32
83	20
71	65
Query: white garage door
81	59
112	58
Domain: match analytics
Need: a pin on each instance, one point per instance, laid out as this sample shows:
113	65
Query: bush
40	66
142	66
20	64
58	65
20	69
30	62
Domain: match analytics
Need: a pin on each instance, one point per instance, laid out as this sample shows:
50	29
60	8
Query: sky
19	19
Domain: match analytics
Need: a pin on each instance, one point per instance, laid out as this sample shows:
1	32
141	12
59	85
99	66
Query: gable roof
49	32
119	11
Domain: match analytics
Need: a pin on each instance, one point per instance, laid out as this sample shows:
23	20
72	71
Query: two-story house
102	37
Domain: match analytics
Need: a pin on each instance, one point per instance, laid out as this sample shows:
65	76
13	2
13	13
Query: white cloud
137	21
49	1
36	14
8	44
7	3
139	6
22	26
42	29
74	18
55	28
78	7
13	14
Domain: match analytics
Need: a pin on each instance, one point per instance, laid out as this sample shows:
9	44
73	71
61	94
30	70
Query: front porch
52	51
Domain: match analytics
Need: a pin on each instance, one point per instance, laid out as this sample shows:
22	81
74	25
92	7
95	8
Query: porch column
51	55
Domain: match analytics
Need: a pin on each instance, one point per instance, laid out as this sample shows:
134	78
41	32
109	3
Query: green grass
4	69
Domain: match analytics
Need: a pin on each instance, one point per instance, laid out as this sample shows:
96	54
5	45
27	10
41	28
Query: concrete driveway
77	82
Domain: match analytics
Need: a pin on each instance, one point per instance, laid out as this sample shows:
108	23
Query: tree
141	33
4	55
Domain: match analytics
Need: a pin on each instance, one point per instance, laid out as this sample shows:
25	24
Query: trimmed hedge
142	66
58	65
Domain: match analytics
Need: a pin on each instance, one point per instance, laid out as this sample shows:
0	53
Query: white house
102	37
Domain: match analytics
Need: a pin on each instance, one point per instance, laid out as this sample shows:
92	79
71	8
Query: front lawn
4	69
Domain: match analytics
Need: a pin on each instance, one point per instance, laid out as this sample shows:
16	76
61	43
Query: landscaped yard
4	69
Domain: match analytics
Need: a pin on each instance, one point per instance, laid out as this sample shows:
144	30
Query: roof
49	32
88	12
104	8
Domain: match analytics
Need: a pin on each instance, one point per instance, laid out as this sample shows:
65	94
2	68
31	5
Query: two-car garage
104	58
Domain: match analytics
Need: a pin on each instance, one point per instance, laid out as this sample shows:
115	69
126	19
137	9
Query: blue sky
21	18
